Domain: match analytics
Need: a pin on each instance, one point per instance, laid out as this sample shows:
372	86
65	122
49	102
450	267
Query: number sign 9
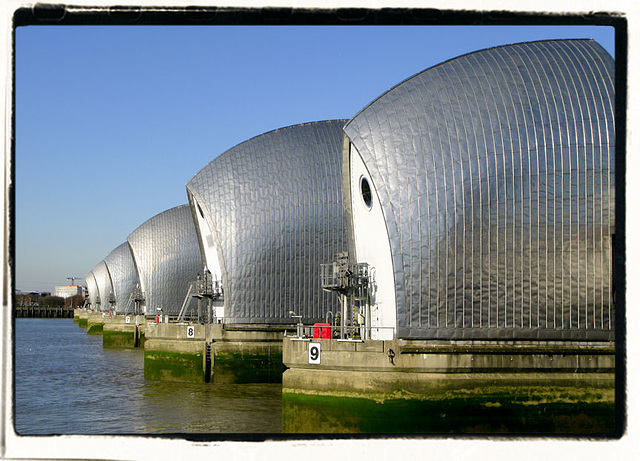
191	332
314	353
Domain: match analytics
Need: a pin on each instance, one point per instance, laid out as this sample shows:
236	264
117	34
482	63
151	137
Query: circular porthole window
365	191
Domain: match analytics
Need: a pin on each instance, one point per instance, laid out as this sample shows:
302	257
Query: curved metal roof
92	289
104	284
166	253
123	274
495	171
274	204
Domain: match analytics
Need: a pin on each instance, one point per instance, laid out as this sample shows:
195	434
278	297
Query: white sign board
314	353
127	319
191	332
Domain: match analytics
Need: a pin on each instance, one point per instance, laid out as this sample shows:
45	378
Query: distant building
68	291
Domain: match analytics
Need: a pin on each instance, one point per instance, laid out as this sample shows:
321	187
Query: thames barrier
440	263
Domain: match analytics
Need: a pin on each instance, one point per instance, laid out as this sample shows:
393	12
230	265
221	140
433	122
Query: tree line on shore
46	300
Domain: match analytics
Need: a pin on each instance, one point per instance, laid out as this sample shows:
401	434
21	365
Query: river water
67	383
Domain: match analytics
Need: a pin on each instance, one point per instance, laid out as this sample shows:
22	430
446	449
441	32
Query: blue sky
111	122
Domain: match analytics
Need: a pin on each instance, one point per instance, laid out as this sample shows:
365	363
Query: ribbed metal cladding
166	253
105	287
92	289
123	274
496	173
274	204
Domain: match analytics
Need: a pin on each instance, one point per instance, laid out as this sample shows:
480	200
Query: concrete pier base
213	353
95	323
123	331
420	387
82	317
246	354
174	352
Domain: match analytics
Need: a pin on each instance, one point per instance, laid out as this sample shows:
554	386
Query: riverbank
43	312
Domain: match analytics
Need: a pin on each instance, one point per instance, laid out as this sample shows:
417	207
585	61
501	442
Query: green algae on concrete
246	367
114	338
94	328
173	366
82	323
121	335
500	410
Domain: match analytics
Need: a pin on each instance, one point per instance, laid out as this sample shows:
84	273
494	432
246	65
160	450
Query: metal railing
355	333
342	277
203	288
135	298
188	317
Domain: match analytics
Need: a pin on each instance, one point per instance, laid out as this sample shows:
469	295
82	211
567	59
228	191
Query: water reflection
207	408
67	383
